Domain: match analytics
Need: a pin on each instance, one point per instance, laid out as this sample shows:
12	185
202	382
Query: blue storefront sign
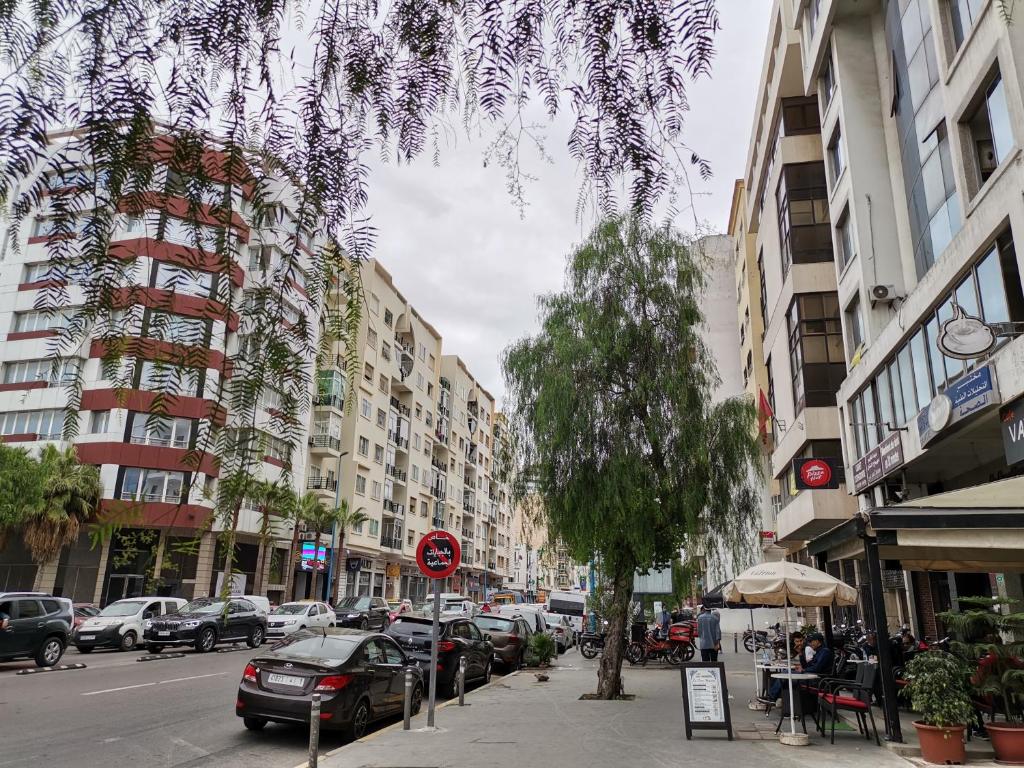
962	399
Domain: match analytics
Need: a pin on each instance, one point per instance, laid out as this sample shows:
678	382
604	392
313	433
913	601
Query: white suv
291	617
121	624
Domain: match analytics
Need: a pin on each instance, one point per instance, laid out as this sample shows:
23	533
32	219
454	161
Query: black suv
362	613
37	626
206	621
460	637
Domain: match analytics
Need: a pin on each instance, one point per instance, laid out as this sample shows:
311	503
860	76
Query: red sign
815	473
438	554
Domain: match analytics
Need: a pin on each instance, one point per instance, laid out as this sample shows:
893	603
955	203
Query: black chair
855	697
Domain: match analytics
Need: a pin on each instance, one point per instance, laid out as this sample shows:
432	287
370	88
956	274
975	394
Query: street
173	712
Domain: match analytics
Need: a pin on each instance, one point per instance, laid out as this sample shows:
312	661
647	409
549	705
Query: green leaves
937	688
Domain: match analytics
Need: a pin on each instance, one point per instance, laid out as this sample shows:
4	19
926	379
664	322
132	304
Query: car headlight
190	624
353	616
290	621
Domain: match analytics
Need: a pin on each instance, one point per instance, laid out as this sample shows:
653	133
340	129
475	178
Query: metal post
735	642
433	654
890	707
821	563
314	730
408	699
462	681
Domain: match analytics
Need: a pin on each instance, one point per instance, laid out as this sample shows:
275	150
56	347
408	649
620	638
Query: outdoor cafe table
796	677
766	673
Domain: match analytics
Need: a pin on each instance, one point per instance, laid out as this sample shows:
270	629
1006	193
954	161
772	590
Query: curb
158	656
232	649
61	668
400	723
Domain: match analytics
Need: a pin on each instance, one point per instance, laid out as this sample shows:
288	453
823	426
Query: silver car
560	630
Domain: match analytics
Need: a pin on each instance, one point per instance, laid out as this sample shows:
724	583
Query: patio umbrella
785	583
715	598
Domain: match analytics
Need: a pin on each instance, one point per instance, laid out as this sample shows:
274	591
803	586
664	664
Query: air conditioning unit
883	294
307	536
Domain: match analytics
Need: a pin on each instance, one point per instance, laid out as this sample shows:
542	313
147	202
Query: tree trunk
257	587
289	576
315	573
609	673
335	589
229	551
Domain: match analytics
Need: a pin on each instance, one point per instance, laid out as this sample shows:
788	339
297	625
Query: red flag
764	413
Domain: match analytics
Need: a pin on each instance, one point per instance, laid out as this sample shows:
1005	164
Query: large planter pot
942	745
1007	741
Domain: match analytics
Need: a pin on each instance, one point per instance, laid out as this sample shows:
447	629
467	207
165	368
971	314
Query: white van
572	605
262	603
121	624
452	604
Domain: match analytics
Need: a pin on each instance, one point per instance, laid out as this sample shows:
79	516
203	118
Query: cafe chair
855	696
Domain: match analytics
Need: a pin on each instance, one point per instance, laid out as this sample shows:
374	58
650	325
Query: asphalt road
170	713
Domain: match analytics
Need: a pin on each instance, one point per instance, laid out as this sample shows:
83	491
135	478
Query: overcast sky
460	252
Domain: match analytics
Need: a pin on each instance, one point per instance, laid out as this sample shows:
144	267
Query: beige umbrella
784	583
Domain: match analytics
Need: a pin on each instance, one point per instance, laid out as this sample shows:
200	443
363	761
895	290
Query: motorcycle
675	649
591	644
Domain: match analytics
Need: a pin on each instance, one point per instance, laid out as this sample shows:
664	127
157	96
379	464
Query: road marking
193	677
113	690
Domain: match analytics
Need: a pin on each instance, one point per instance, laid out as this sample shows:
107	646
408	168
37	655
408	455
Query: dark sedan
363	613
360	678
459	637
205	622
510	638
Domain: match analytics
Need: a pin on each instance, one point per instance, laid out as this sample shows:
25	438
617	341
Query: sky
459	250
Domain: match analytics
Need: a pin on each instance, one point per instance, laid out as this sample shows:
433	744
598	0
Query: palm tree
71	496
346	518
318	518
273	499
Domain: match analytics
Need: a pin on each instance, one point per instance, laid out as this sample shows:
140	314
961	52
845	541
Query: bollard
735	643
462	681
408	699
314	730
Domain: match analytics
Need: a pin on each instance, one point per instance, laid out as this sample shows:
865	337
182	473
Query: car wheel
49	652
255	637
83	649
360	719
254	723
206	640
451	691
128	641
417	700
364	625
150	648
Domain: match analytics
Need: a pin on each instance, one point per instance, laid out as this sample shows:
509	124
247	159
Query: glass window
993	294
152	485
361	484
943	368
99	421
884	395
55	372
804	232
870	418
827	80
962	14
922	375
816	349
845	239
898	411
855	325
46	425
29	609
178	279
800	116
906	369
836	157
168	378
990	128
149	429
364	447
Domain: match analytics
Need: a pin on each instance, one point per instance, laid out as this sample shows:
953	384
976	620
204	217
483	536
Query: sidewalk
519	721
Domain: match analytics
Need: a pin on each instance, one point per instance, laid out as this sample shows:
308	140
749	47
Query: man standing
709	635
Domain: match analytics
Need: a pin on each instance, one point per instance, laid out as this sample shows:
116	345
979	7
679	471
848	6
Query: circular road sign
438	554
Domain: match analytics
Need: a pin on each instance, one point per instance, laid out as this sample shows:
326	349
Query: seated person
869	647
797	647
820	664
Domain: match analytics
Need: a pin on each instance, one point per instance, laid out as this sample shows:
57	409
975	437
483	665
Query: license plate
286	680
164	634
87	637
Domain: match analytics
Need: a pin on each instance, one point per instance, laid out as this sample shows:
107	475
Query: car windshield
290	609
203	606
494	623
355	604
553	619
328	649
411	627
125	608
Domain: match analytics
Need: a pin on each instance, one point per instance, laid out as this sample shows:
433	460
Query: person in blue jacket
820	664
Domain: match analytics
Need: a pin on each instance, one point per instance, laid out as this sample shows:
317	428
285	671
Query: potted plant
999	676
543	647
937	687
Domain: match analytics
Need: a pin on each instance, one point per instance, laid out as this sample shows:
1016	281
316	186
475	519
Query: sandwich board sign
705	698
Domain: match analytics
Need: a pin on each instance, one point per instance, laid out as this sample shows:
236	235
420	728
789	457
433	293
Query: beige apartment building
883	189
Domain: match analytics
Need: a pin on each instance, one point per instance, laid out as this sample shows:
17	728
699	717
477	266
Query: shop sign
964	397
353	564
816	473
1011	424
394	570
878	463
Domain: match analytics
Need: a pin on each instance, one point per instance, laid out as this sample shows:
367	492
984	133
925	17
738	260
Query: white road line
122	688
193	677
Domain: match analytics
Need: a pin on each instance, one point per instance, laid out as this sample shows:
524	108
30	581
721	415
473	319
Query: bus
572	605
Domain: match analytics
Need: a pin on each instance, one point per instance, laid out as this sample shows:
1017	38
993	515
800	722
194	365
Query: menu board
705	697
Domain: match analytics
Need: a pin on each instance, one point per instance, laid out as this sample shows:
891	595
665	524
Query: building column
205	564
158	556
101	572
46	576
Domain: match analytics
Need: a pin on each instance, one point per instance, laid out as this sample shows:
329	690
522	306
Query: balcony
437	522
396	439
492	566
467	558
395	472
437	491
329	401
445	384
394	508
322	484
440	466
812	513
324	444
468	508
402	409
467	533
391	542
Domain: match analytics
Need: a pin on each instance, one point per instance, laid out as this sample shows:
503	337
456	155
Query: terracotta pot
1007	741
942	745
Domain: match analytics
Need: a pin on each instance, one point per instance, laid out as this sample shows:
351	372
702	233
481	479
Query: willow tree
617	432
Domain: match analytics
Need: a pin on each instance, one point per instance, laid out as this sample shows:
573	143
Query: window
178	279
414	473
827	81
416	441
382	384
38	320
763	292
990	130
389	319
156	376
854	326
99	422
361	485
364	408
963	14
836	159
382	418
419	381
431	362
149	429
845	239
375	492
55	372
385	351
378	453
816	349
374	527
368	372
364	447
423	508
804	231
152	485
177	329
800	116
35	273
46	425
371	339
419	411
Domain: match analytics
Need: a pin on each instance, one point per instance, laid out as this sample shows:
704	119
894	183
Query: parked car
83	611
458	637
262	603
452	604
509	636
362	613
360	677
122	623
291	617
560	629
38	627
207	621
533	616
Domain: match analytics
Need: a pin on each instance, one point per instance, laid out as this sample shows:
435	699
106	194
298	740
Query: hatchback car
360	678
363	613
291	617
36	626
122	624
510	637
560	629
205	622
459	638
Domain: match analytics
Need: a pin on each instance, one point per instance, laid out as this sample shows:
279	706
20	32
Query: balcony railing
468	508
395	472
391	542
402	409
440	466
437	522
329	401
437	492
325	441
164	497
467	533
492	566
394	508
321	484
467	559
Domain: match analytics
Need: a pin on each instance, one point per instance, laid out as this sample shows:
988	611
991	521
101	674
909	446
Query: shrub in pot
543	647
937	688
999	676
